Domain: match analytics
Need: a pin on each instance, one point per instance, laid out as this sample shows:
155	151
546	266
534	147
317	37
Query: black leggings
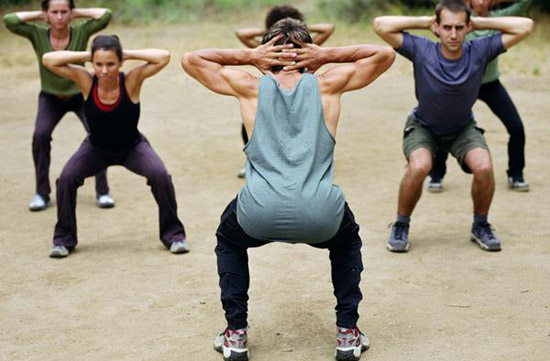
500	103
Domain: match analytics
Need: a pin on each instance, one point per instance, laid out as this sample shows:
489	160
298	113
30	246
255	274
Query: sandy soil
122	296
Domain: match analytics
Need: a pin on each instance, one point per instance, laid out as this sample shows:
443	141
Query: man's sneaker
39	203
483	234
59	252
241	173
105	201
351	342
518	184
233	344
179	247
398	241
435	185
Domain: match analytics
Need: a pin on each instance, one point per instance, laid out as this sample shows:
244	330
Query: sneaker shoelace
400	229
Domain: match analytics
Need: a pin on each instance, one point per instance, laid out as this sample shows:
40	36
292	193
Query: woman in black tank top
112	108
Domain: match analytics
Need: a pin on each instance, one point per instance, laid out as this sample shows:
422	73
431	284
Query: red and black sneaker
351	343
233	344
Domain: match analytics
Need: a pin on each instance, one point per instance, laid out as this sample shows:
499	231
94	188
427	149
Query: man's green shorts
416	136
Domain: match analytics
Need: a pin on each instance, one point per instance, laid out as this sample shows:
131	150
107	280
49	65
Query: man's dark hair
454	6
293	31
45	4
280	12
107	42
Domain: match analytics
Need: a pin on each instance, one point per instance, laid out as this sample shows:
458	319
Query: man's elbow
189	61
47	60
379	25
529	26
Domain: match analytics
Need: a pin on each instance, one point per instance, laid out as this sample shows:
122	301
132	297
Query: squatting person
493	93
58	95
448	75
291	117
112	106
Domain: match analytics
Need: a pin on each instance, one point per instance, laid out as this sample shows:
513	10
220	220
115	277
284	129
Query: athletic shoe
398	241
39	203
518	184
59	252
105	201
241	173
179	247
233	344
435	185
351	343
483	234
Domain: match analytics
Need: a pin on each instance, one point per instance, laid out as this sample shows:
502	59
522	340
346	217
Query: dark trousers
50	111
231	251
500	103
142	160
243	134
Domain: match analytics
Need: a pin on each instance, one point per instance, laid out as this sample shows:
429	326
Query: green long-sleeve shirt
492	73
38	35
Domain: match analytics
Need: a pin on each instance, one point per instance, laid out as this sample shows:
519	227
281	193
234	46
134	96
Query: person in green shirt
497	98
58	95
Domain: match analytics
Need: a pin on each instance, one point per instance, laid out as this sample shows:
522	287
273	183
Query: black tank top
113	127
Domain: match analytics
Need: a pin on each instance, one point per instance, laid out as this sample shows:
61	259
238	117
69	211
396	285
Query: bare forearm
30	15
248	36
153	56
348	54
93	13
322	32
225	56
511	25
394	24
64	57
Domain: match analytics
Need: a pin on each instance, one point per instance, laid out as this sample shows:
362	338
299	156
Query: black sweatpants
231	251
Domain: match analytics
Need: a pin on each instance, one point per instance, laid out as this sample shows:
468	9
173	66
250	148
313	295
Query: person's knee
69	177
41	136
158	175
481	167
420	166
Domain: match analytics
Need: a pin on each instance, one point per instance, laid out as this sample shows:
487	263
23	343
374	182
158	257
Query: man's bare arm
390	28
514	29
322	32
210	66
248	36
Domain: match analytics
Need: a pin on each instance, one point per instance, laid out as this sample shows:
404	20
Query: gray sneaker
398	241
518	184
483	234
179	247
59	252
241	173
435	185
351	343
105	201
233	344
39	203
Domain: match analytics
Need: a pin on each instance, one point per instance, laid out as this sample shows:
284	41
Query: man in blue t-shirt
448	75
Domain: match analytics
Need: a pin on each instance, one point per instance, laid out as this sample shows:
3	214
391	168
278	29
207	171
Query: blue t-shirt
447	89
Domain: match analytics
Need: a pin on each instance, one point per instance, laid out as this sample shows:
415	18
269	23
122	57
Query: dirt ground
122	296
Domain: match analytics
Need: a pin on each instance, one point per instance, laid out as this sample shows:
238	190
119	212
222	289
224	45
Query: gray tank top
289	195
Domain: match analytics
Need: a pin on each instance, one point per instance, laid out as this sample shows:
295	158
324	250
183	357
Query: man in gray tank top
291	117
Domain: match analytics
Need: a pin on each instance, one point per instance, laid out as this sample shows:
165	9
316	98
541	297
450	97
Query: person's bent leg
500	103
439	169
346	267
143	160
50	111
410	189
478	160
101	183
86	162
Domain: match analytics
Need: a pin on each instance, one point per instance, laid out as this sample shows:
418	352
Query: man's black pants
231	251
